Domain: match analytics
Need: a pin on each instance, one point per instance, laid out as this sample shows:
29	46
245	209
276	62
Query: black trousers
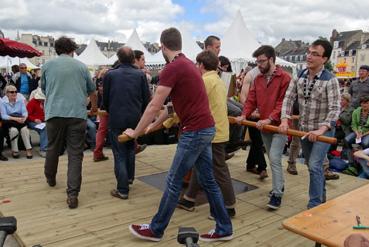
256	153
69	131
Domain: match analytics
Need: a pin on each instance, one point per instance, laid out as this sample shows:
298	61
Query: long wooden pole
123	137
291	132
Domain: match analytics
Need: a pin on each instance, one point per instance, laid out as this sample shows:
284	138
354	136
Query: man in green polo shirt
66	83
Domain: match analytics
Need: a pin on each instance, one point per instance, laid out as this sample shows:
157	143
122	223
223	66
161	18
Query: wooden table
330	223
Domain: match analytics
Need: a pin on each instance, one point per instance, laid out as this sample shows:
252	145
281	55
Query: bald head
125	55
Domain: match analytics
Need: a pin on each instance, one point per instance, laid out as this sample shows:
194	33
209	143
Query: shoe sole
227	238
186	208
116	195
273	207
142	237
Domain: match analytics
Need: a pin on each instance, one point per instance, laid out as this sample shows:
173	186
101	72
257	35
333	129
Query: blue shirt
24	86
13	109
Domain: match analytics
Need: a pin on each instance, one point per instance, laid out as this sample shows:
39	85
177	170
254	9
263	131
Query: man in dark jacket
125	95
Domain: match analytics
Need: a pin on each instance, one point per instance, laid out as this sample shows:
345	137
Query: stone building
293	51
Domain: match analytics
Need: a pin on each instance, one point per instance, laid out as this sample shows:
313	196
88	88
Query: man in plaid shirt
318	96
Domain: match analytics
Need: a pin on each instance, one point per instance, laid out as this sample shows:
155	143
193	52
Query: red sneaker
143	231
212	236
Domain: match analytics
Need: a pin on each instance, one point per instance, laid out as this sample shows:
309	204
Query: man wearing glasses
266	95
24	82
318	94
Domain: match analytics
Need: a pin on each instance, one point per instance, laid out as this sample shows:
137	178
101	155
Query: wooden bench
332	222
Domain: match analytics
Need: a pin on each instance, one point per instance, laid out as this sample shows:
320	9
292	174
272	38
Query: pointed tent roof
239	42
92	55
189	46
135	43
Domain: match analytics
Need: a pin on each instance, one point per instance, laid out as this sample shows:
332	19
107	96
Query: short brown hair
172	39
266	50
208	59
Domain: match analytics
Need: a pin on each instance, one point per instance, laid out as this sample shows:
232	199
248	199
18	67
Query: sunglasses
12	91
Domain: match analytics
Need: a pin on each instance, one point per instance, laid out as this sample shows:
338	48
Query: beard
165	57
266	69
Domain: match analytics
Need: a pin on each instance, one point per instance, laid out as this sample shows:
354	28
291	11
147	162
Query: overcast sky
106	20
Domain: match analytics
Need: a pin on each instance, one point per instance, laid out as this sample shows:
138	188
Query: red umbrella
17	49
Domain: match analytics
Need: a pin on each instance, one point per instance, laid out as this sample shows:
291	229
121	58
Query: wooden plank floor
101	220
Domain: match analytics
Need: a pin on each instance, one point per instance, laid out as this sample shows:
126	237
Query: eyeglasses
23	67
12	91
261	61
313	54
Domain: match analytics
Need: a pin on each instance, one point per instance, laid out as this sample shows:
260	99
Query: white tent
92	55
189	46
239	43
8	62
135	43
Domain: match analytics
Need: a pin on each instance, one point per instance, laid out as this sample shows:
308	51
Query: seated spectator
362	156
360	124
36	119
14	115
2	157
343	127
24	81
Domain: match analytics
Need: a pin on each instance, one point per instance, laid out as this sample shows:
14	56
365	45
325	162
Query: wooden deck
101	220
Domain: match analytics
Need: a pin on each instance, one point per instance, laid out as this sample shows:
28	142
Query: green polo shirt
66	83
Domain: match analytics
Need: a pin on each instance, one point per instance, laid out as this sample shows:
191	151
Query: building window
362	57
45	44
353	59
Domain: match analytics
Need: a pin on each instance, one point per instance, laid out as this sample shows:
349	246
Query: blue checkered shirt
323	105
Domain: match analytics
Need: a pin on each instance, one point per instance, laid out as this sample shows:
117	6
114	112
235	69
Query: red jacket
268	97
35	110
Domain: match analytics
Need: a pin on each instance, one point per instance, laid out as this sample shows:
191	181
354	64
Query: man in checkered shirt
318	96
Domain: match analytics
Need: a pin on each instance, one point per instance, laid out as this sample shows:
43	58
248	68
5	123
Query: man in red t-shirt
182	81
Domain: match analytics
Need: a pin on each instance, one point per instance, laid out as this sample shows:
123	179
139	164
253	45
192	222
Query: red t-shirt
188	94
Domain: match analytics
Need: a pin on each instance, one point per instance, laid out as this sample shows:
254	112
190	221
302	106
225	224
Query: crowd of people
54	103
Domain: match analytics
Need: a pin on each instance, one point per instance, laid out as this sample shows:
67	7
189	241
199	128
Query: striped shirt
321	107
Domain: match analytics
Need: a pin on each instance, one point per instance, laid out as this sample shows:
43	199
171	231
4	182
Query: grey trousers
221	174
69	131
295	145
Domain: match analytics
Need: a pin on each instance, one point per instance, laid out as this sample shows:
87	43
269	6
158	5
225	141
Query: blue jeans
314	153
193	150
42	133
274	144
350	139
91	133
365	168
124	161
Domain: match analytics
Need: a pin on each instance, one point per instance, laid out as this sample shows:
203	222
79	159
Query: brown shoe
72	202
253	170
329	175
101	158
263	174
119	195
291	169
